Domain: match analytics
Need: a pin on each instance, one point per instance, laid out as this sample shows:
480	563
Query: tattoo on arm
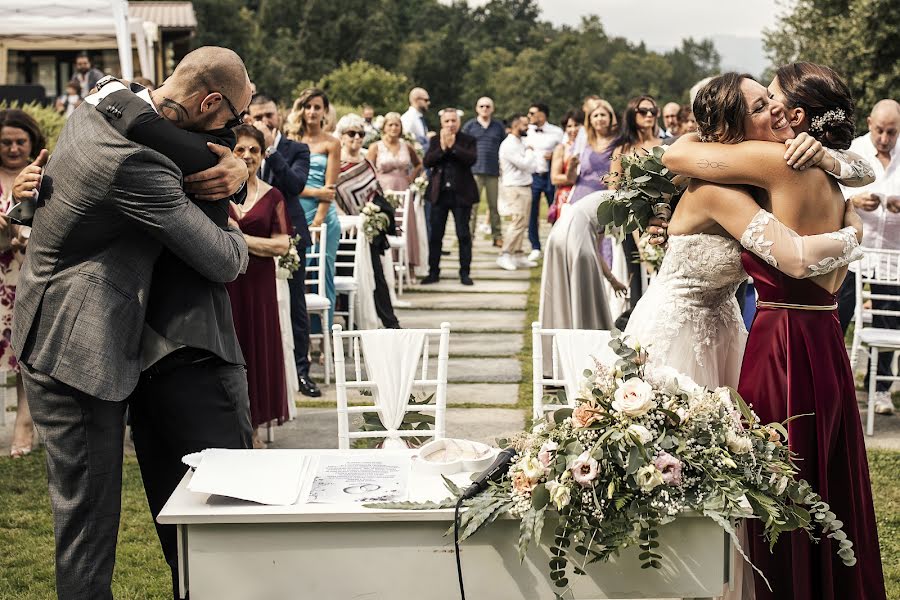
711	164
175	111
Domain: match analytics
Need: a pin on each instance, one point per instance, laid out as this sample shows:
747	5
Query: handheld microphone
494	473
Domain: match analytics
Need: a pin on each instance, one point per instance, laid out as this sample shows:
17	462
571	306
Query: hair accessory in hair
817	124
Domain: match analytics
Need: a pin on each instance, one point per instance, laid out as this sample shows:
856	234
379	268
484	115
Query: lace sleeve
855	170
796	255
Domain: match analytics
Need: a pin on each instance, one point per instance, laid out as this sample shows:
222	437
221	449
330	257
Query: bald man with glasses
489	133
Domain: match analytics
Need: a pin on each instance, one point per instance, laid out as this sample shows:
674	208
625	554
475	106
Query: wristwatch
271	150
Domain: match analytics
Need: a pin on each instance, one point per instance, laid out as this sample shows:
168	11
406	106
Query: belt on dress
761	304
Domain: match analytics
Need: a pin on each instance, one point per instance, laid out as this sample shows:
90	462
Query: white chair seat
883	338
345	283
396	241
317	302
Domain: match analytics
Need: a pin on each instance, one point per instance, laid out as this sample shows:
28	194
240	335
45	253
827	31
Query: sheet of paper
265	476
343	479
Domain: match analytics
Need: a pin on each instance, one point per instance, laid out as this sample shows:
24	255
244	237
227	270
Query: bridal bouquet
642	446
374	222
646	189
649	254
420	184
289	262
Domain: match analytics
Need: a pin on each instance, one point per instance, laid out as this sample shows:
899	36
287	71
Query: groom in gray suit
107	208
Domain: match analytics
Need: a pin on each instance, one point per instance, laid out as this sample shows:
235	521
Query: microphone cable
462	589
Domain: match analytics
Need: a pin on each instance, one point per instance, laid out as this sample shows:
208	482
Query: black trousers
299	316
383	306
181	410
846	308
635	287
461	214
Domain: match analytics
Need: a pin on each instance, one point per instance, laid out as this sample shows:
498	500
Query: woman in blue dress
304	124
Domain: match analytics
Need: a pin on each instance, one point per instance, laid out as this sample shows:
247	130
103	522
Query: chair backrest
879	269
432	375
347	261
400	198
315	259
562	364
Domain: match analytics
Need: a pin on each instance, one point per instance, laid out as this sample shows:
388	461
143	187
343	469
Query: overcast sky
735	26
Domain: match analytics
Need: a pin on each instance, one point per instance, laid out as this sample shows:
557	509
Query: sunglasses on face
484	106
647	111
353	134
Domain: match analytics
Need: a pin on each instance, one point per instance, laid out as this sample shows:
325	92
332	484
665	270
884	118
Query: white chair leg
401	260
873	374
854	351
328	357
351	311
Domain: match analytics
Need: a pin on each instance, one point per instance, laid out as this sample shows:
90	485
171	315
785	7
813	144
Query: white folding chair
877	268
317	303
559	377
348	260
425	381
400	242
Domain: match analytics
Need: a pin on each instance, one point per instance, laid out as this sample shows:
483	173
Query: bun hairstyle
825	98
720	108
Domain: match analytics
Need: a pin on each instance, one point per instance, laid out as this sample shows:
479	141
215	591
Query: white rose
671	381
739	444
532	468
641	433
649	477
560	494
634	398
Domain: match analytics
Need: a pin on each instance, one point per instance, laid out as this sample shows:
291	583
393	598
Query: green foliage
858	38
361	82
50	121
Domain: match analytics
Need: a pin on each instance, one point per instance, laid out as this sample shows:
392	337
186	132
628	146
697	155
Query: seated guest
263	220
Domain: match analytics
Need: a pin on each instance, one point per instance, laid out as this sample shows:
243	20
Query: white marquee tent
49	23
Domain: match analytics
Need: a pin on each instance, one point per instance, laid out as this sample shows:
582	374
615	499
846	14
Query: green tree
361	82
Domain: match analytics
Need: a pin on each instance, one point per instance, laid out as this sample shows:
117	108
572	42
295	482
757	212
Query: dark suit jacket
107	207
287	170
454	167
184	307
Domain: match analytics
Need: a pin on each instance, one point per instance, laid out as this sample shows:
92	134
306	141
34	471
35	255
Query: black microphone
494	472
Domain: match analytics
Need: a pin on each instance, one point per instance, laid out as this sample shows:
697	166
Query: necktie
424	126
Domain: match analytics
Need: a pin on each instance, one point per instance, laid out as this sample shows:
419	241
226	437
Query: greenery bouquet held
642	446
289	262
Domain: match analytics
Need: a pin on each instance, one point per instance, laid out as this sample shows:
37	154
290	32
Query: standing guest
263	220
285	166
581	140
451	189
20	142
368	116
489	134
414	118
86	76
670	120
397	165
878	204
639	132
601	126
564	163
317	199
686	121
543	137
68	102
518	163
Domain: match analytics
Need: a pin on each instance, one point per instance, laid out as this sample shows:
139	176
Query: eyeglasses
354	134
484	106
425	100
647	111
237	118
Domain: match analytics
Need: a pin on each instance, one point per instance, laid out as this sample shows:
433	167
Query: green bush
361	82
50	121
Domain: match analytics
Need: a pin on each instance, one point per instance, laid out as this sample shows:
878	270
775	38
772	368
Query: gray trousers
83	437
488	183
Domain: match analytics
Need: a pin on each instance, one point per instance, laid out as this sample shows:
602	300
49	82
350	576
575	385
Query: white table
231	550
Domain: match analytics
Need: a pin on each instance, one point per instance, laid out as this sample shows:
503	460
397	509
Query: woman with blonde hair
601	126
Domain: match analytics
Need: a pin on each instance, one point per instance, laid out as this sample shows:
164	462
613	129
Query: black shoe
445	253
466	280
308	387
429	279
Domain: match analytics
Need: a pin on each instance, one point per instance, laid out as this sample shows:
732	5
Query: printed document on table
272	477
343	479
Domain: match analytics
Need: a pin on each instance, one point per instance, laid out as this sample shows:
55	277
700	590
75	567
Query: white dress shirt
517	162
262	165
881	227
544	142
412	123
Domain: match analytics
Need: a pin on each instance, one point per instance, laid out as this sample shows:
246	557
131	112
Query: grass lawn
26	532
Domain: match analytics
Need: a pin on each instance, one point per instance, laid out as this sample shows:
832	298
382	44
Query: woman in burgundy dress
263	220
795	361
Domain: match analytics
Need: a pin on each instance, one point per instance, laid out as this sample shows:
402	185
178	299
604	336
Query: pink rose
585	469
584	415
670	467
522	484
545	455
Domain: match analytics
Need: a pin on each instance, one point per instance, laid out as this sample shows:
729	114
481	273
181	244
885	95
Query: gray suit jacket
107	207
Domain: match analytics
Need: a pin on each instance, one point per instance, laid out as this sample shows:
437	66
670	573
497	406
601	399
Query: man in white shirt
517	164
543	137
413	119
878	205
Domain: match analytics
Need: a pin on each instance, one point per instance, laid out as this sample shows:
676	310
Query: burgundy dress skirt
254	306
796	363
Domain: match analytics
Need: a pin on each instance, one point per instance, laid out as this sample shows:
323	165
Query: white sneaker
883	403
523	263
484	228
506	262
535	255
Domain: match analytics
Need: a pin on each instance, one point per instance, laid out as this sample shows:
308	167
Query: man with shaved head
413	119
107	208
878	205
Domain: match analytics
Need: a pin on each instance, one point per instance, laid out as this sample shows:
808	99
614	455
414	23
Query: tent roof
168	15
